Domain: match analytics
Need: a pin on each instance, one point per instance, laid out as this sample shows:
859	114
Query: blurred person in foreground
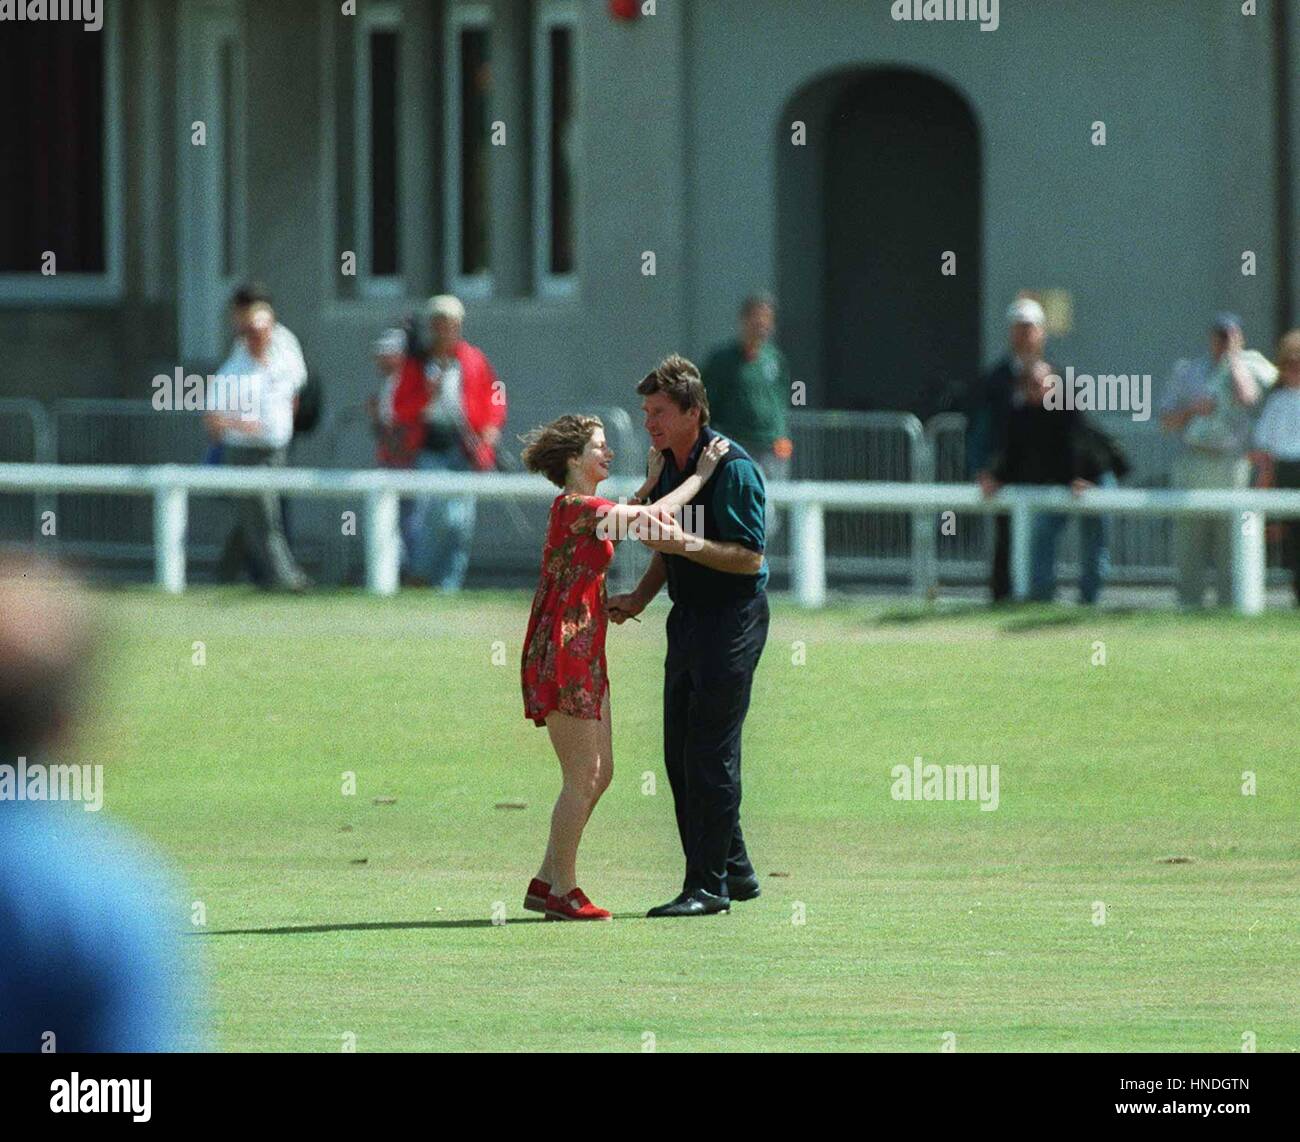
455	408
1276	444
89	961
255	431
748	382
1210	405
999	392
396	445
1045	446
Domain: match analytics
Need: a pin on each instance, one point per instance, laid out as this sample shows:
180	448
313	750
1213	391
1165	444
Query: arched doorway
889	181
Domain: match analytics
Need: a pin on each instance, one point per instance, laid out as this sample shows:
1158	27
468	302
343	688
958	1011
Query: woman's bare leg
584	748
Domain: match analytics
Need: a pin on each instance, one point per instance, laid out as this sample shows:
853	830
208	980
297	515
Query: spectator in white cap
988	411
453	409
389	350
1210	405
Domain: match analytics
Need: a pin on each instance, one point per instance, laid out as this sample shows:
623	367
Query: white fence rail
374	495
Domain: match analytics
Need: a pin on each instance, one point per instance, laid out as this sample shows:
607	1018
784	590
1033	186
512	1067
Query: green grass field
330	914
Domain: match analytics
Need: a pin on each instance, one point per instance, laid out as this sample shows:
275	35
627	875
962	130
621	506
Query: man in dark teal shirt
716	577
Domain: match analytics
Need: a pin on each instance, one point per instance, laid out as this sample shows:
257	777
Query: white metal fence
860	544
374	497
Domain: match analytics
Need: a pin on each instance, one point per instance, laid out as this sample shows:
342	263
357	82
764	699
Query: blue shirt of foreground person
85	956
717	628
88	958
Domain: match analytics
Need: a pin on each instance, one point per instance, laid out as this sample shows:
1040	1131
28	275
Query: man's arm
740	551
623	607
731	558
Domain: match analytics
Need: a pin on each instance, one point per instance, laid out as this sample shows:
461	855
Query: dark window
384	256
229	157
562	139
475	88
52	147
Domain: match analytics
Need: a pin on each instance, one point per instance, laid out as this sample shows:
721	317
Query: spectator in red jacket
452	409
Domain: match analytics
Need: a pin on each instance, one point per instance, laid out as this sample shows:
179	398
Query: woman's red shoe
574	906
535	897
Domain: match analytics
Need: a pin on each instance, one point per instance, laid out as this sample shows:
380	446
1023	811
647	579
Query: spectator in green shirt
748	382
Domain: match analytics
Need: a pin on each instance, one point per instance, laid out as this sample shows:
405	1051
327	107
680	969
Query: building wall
1146	233
681	116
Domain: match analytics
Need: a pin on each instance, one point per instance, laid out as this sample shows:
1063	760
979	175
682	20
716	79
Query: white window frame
105	288
199	309
385	16
469	287
553	14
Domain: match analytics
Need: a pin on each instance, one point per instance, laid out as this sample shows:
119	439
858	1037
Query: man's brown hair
679	380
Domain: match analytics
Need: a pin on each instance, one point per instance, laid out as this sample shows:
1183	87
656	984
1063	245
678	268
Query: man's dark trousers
1000	579
713	650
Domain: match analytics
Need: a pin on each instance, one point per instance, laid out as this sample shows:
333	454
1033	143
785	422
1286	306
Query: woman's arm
653	467
690	487
618	521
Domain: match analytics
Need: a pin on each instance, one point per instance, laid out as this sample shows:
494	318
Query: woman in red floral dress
565	681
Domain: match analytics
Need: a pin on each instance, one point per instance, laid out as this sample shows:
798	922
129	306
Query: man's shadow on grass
389	926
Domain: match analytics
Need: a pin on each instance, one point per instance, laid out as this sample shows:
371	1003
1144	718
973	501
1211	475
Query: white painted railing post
383	543
1249	556
925	566
808	525
171	509
1022	526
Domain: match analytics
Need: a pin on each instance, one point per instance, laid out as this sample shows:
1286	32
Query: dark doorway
901	186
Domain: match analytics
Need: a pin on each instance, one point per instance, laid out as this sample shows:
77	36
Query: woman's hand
712	457
654	466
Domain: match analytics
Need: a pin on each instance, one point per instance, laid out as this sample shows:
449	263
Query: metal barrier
109	530
830	446
25	436
1140	547
374	496
503	539
887	446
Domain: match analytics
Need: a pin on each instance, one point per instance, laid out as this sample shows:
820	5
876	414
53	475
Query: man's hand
1079	485
989	487
624	607
662	533
491	436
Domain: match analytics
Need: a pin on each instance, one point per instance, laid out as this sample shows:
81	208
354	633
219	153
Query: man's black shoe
743	888
659	911
697	903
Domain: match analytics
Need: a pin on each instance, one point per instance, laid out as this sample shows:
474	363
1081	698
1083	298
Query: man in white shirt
251	403
1277	443
1210	406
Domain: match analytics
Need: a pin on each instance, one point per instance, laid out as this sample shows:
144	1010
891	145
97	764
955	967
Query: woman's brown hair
549	449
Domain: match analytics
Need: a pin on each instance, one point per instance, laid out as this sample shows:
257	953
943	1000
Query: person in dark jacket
1046	446
995	396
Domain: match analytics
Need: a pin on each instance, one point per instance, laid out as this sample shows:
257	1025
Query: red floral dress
564	651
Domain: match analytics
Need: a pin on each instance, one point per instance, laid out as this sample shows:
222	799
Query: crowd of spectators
438	406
